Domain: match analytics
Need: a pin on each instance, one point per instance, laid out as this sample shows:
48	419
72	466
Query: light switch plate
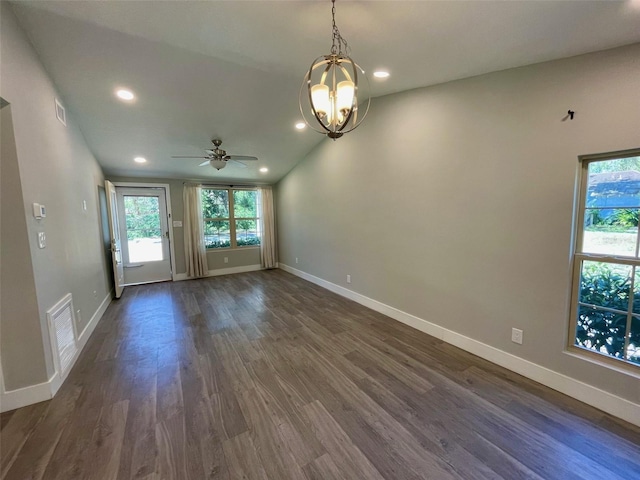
177	223
42	240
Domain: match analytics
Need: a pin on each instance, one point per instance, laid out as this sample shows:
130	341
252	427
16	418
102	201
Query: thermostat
39	211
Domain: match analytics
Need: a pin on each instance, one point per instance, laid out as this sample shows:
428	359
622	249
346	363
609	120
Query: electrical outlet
226	259
516	336
95	294
78	317
348	278
296	259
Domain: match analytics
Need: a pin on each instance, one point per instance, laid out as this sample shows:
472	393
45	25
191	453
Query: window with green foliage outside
230	218
606	307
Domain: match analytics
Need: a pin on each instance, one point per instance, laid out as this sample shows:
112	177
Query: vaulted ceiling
233	69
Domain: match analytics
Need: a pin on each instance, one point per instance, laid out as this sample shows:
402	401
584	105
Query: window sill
619	366
230	249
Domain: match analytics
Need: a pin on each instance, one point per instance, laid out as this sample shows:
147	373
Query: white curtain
268	255
194	247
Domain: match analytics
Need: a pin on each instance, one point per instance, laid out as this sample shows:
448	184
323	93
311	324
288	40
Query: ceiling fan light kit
334	96
218	157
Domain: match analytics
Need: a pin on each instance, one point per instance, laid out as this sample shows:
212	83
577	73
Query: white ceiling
233	69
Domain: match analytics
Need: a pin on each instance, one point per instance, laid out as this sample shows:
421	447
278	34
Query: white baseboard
605	401
22	397
220	271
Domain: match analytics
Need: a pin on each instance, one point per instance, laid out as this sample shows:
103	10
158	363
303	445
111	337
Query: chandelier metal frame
343	75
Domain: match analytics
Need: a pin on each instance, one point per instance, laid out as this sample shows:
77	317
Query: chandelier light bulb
345	94
320	99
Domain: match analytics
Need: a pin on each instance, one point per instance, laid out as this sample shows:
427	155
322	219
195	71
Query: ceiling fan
218	158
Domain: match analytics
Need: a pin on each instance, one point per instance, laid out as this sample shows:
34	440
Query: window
605	316
230	217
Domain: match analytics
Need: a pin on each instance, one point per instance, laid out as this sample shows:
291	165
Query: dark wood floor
263	375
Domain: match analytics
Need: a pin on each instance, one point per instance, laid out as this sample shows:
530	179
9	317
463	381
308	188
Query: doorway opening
144	220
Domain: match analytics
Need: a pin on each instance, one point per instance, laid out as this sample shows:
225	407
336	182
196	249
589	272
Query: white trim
167	199
91	325
221	271
21	397
612	404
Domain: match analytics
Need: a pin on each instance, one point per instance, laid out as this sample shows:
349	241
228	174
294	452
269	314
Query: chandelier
334	94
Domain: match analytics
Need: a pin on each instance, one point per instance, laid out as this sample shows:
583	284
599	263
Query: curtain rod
223	185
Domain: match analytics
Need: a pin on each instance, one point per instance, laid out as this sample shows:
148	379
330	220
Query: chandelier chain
339	44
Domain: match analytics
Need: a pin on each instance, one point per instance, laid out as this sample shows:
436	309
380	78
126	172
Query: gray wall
240	257
55	169
454	203
21	338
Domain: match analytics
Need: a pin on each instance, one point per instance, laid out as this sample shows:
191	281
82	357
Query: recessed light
381	74
301	125
264	169
140	160
126	95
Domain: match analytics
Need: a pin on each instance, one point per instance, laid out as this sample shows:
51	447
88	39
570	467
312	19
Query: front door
145	232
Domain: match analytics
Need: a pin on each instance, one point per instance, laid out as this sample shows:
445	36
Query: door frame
116	238
167	196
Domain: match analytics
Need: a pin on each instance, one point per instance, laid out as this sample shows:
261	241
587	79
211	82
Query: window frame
578	257
233	245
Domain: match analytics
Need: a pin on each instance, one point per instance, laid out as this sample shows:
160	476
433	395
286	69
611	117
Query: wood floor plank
324	468
36	452
231	362
200	425
5	417
264	375
170	444
295	433
431	435
138	457
580	435
344	453
106	443
243	461
17	431
275	456
545	456
402	454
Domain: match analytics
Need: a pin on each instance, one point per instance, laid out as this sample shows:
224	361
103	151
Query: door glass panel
144	235
633	350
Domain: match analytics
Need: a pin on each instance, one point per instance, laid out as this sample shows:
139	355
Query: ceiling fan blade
239	164
241	157
182	156
204	163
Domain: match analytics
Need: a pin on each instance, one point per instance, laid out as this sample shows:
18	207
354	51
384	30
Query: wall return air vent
62	330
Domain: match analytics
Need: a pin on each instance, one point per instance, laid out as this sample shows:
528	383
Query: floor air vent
63	334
